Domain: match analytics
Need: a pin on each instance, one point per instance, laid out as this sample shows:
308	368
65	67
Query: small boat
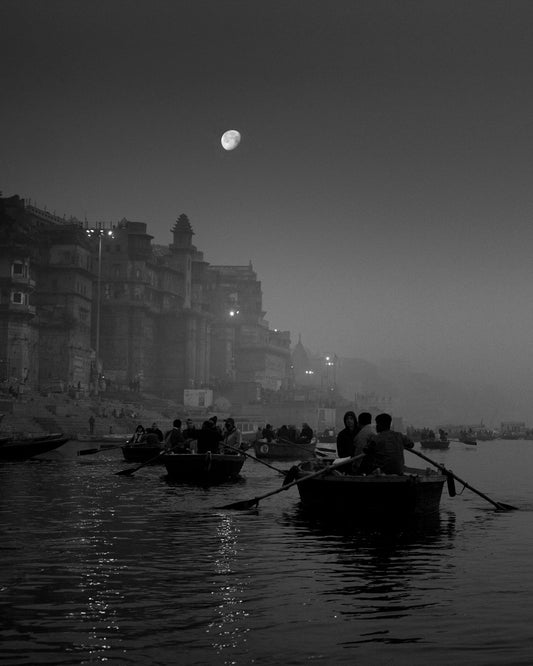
435	443
280	449
137	453
465	438
113	438
417	492
207	468
24	447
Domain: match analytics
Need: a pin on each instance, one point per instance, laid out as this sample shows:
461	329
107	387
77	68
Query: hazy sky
382	188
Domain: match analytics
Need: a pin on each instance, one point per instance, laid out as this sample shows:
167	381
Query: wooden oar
233	448
499	505
249	504
131	470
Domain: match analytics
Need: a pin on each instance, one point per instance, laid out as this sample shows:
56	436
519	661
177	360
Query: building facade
101	306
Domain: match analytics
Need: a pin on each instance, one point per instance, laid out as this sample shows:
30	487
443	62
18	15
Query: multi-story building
245	350
100	309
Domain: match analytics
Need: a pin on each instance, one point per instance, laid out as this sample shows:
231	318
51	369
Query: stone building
111	309
45	301
155	324
245	351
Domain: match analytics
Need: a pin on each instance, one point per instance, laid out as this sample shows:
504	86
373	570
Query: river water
96	567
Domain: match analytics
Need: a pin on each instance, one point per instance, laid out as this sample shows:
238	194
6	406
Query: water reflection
228	589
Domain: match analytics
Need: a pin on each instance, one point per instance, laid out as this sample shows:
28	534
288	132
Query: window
17	297
19	269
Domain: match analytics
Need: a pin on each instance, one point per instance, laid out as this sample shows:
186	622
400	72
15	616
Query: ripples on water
97	567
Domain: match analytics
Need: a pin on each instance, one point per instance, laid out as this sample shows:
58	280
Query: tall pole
98	294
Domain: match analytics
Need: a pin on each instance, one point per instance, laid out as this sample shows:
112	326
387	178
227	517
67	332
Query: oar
499	505
249	504
86	452
131	470
276	469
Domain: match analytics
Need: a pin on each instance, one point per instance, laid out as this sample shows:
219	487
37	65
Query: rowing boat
24	447
417	492
205	468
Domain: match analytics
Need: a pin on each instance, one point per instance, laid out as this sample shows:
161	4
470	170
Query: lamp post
100	233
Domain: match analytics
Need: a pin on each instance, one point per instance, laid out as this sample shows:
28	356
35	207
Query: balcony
17	309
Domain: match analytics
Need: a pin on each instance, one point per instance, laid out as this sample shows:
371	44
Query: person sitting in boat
214	420
306	433
174	440
366	430
190	431
207	438
138	436
292	433
384	450
346	437
268	433
232	436
283	432
153	429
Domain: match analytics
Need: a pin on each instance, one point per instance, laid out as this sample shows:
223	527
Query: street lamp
100	233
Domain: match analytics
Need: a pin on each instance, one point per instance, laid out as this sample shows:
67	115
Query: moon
230	139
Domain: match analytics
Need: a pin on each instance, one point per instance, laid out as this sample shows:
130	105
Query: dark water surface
96	567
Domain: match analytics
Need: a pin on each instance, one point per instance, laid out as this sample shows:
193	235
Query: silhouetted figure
346	437
384	450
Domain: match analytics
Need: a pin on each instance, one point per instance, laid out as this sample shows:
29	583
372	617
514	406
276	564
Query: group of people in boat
288	433
191	439
381	449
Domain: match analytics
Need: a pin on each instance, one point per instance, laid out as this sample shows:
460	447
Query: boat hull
371	497
141	454
27	447
284	450
209	468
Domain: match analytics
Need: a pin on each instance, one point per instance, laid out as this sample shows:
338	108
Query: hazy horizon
382	187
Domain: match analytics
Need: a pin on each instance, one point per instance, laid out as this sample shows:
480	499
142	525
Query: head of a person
268	426
176	423
154	425
230	423
364	418
383	422
207	425
214	419
139	428
189	423
350	420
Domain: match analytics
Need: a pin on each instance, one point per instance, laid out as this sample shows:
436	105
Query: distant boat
465	438
280	449
25	447
435	443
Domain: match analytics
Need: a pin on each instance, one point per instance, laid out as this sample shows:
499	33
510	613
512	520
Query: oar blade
243	505
507	507
86	452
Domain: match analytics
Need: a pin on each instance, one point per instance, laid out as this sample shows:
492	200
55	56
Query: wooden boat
435	443
136	453
280	449
208	468
467	439
114	438
417	492
24	447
